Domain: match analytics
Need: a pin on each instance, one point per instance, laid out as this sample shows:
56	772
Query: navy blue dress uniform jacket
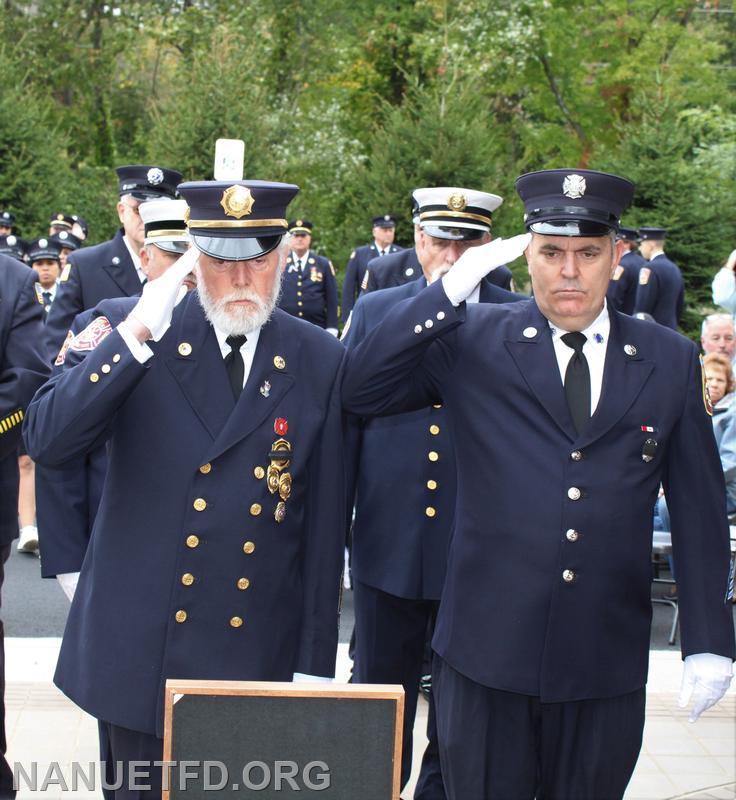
546	594
92	274
23	369
67	496
355	273
661	291
393	269
311	293
622	289
402	527
188	573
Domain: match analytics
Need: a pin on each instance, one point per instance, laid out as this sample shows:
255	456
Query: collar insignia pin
266	389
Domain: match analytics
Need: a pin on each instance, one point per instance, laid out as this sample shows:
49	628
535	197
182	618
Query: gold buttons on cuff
434	429
199	504
243	584
205	469
259	472
187	579
571	535
192	541
568	576
433	455
236	622
105	368
116	358
255	509
431	484
180	616
429	511
94	377
248	548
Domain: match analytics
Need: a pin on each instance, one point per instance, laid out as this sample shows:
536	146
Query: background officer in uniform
405	486
67	242
44	255
661	290
23	369
217	548
622	289
566	415
14	246
110	269
309	289
7	220
384	231
395	269
68	501
60	222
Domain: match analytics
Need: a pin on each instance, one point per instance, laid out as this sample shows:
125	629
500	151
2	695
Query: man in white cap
403	476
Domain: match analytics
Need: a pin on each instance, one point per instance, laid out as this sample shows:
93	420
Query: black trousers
118	747
6	774
497	745
390	636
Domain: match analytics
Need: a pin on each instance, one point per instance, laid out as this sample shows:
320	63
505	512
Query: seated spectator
724	285
720	382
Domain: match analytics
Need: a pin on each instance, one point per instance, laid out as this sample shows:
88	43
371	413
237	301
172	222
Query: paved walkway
678	760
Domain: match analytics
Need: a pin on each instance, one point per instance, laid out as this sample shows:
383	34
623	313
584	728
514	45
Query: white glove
68	582
160	296
476	262
302	677
705	679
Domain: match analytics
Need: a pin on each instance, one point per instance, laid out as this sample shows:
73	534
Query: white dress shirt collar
594	350
136	260
248	350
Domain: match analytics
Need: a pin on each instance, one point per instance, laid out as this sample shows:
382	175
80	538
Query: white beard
238	320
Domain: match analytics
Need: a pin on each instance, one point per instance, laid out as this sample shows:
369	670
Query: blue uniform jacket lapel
196	363
254	405
624	377
123	272
535	358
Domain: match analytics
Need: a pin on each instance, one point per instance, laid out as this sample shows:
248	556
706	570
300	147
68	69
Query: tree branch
579	132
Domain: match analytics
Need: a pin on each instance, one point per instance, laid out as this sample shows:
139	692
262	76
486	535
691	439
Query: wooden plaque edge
362	691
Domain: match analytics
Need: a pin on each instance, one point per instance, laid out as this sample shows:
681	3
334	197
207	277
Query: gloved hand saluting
705	679
476	262
153	311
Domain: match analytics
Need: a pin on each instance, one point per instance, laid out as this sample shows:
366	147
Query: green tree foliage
361	101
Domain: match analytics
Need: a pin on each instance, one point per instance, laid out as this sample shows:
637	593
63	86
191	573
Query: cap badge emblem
573	186
155	176
237	201
387	217
60	217
299	223
43	243
457	201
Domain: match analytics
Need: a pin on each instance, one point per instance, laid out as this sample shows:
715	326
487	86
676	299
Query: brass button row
181	616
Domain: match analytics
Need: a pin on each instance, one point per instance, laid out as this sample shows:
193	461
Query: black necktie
46	298
577	380
234	364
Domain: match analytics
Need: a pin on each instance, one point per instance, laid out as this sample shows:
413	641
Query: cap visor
570	228
171	247
232	248
455	234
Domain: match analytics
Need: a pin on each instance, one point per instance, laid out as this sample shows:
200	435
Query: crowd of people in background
400	507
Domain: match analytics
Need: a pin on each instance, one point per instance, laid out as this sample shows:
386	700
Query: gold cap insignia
299	223
186	216
457	201
237	201
59	216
